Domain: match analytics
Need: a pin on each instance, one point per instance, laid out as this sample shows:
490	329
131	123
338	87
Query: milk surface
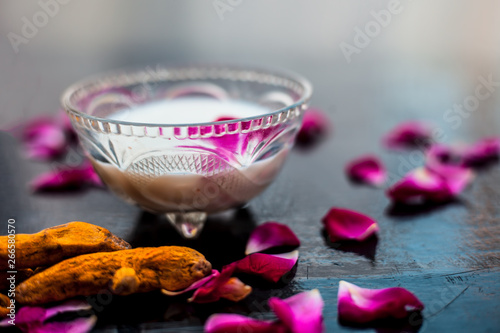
189	111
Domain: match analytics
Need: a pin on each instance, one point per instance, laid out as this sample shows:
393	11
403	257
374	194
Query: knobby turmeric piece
4	303
122	272
52	245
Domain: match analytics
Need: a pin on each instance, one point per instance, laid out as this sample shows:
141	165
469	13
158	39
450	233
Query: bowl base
189	225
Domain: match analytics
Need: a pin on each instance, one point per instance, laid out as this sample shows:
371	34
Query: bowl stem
189	225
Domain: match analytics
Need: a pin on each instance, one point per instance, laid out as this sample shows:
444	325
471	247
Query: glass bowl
191	161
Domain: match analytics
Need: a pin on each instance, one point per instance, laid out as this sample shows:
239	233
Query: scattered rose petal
66	179
408	134
360	305
439	157
194	285
344	224
269	235
423	184
33	319
271	267
482	151
456	178
221	286
234	290
44	139
368	169
79	325
228	323
296	314
214	287
315	126
301	313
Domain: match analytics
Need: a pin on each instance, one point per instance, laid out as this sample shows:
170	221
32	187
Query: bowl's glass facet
187	171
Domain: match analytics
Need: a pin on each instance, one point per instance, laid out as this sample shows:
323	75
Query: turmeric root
122	272
52	245
4	303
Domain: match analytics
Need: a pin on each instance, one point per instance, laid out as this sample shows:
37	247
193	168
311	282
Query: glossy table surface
448	255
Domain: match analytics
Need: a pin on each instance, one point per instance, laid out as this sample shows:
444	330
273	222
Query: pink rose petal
234	290
221	286
209	292
228	142
457	178
271	267
408	134
362	305
301	313
236	145
66	179
227	323
194	285
216	286
44	139
269	235
423	184
344	224
368	169
315	126
33	319
79	325
482	151
440	157
296	314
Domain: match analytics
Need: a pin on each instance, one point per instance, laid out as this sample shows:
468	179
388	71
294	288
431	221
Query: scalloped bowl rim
110	77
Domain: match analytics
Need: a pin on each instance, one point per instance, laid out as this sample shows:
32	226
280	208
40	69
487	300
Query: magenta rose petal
408	134
301	313
360	305
234	290
367	169
193	286
229	142
418	186
315	126
66	179
440	157
214	287
426	185
227	323
270	267
483	151
344	224
79	325
33	318
270	235
209	292
44	139
456	178
222	285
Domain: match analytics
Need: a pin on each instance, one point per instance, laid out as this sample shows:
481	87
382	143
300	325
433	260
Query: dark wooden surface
448	255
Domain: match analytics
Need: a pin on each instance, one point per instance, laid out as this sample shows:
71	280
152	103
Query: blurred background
428	56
